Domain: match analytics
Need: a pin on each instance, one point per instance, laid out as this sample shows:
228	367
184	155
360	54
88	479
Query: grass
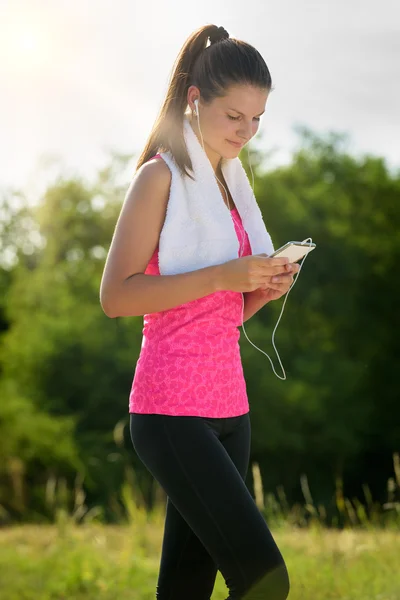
102	562
79	557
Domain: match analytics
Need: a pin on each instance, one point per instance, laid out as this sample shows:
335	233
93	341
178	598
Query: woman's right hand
249	273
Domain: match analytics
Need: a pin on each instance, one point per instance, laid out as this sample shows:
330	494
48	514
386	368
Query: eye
237	118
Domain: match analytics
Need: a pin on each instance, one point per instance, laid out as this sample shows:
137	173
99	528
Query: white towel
198	230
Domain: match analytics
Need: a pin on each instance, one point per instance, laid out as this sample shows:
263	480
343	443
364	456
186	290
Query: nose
245	132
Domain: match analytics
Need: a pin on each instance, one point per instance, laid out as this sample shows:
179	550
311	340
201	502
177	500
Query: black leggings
212	522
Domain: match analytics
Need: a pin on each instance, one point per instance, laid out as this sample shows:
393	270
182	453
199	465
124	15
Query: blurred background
81	85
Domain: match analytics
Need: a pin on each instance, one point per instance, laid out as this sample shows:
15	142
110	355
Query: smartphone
294	251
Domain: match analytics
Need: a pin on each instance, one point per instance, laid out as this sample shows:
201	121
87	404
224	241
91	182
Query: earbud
196	112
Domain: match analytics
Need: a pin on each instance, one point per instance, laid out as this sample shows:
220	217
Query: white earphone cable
242	246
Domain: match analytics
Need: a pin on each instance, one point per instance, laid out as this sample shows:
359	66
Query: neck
214	158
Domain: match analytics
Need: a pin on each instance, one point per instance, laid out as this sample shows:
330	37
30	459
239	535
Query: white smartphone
294	251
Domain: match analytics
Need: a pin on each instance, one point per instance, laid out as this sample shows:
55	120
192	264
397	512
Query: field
95	561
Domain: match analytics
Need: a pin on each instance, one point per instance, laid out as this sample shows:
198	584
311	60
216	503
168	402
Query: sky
81	78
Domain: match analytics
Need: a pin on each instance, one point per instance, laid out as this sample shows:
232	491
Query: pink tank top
190	362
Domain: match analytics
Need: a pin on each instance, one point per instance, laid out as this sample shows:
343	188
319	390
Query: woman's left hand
276	289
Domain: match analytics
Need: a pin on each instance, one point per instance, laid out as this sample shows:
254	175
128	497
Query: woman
184	255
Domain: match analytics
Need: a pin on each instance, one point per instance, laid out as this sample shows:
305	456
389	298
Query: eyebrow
240	113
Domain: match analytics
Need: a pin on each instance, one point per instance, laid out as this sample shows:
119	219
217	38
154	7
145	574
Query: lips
236	144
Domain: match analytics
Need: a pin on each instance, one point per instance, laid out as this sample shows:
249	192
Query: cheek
225	126
223	129
214	127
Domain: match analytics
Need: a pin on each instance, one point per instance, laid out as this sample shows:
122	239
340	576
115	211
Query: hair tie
218	34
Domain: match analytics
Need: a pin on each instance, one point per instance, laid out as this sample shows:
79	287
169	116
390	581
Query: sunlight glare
26	48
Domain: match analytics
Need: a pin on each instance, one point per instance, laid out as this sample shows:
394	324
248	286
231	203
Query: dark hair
226	61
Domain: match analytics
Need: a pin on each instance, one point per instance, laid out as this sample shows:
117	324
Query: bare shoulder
149	189
155	173
138	228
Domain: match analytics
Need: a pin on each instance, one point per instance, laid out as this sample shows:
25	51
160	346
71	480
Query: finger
275	270
276	282
281	260
272	287
282	288
279	289
267	284
279	285
292	268
285	279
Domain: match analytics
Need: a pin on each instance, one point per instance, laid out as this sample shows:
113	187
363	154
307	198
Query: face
229	122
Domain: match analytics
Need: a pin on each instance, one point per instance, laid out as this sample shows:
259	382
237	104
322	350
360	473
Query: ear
193	94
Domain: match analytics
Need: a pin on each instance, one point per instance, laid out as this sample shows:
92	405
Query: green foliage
102	563
66	369
32	444
336	337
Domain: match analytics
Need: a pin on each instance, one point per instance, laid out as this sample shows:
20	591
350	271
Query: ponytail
212	69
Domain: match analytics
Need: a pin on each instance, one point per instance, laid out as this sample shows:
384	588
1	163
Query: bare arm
252	304
143	294
125	290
